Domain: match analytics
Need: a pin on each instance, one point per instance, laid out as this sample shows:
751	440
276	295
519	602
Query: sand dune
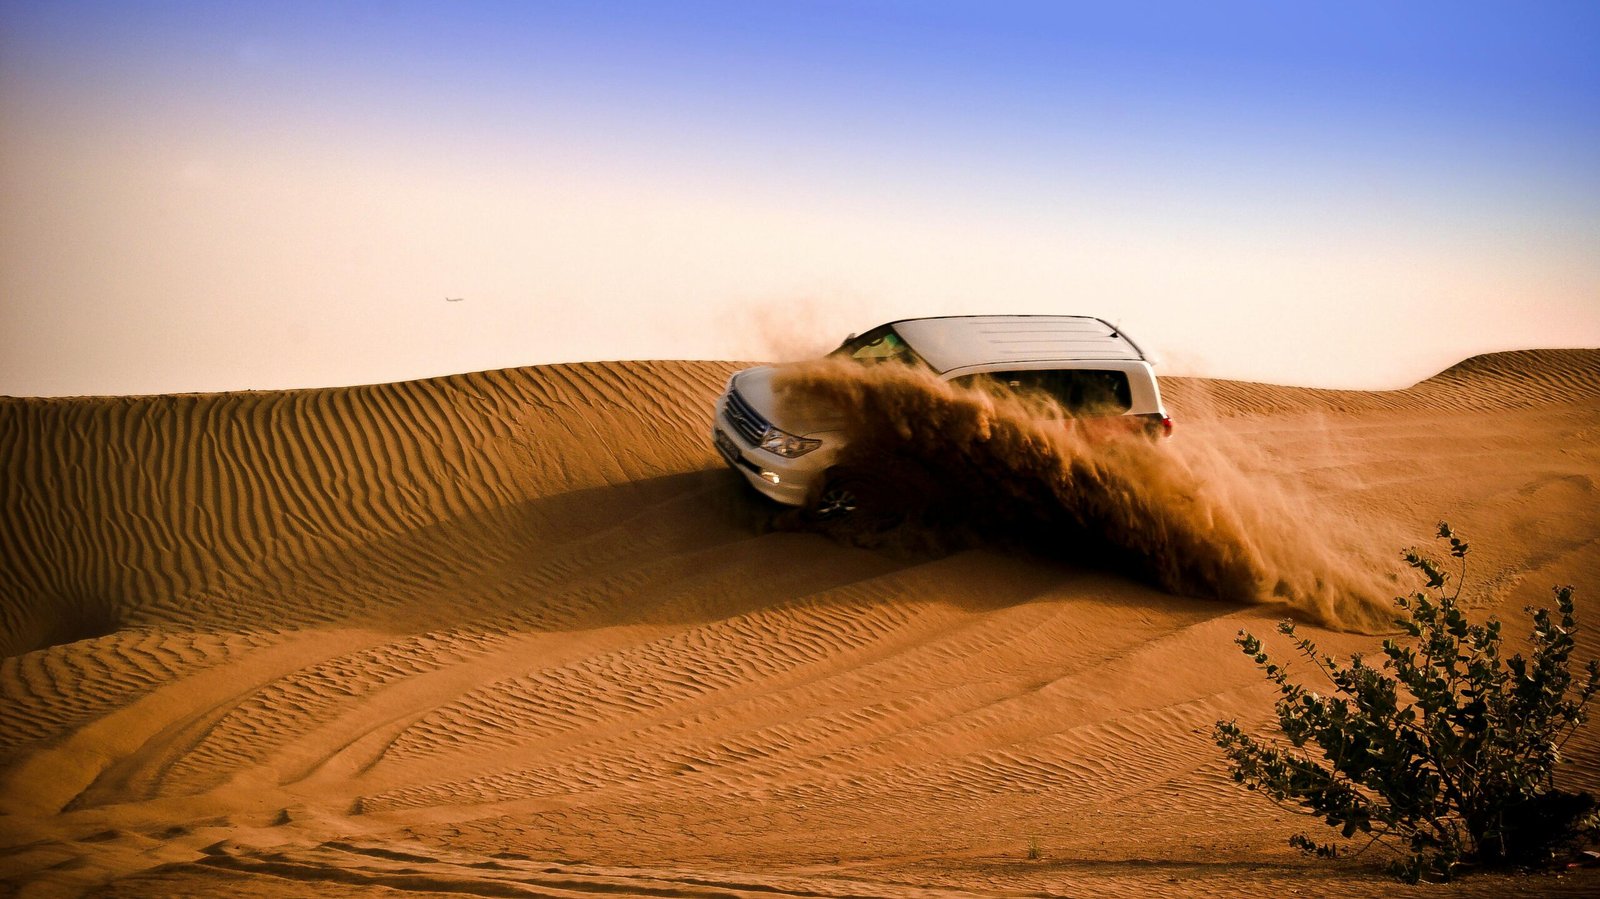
518	633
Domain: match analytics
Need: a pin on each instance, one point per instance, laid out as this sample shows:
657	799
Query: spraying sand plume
975	464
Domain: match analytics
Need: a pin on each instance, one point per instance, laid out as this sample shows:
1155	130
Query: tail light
1157	424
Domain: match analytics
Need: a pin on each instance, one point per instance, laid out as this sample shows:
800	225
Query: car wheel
857	502
837	500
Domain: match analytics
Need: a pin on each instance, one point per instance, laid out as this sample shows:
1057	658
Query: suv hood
756	386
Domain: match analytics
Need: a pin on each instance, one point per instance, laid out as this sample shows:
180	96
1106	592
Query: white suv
1085	364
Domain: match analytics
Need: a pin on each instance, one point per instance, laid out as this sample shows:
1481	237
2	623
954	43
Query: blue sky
216	196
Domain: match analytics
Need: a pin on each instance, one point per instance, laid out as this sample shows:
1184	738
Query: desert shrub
1446	753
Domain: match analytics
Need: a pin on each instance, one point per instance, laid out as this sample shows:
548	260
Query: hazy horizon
284	195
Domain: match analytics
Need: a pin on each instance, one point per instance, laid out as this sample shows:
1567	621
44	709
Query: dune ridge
520	631
125	511
1517	379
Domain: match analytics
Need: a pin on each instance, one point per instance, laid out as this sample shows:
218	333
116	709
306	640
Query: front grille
747	421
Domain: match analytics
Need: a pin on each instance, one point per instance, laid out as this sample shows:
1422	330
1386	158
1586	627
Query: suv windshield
881	344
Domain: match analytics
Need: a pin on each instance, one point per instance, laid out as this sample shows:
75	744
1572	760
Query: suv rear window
1084	391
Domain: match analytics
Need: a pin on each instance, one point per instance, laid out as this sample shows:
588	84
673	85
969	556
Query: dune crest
1520	379
126	511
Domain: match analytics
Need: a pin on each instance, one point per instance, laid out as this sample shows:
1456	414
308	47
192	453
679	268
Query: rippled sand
520	633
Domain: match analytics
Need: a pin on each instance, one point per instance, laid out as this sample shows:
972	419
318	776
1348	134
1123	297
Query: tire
853	501
837	500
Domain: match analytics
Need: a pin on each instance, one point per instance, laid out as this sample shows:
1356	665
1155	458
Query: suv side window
1086	391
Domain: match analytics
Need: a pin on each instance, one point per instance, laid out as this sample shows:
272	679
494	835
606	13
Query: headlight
786	444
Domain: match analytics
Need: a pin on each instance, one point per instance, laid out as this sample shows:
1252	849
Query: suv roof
958	341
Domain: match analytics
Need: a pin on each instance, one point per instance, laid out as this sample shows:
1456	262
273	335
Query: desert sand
520	633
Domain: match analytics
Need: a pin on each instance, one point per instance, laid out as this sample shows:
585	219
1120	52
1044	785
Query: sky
202	197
